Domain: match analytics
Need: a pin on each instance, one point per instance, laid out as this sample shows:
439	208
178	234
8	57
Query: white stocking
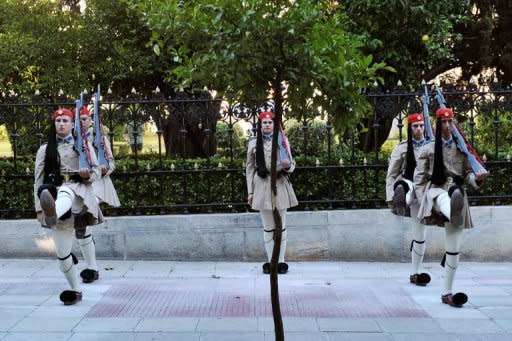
267	218
419	236
88	252
442	204
63	239
452	245
409	194
65	197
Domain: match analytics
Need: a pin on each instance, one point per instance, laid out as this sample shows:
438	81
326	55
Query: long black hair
261	167
52	159
438	174
410	160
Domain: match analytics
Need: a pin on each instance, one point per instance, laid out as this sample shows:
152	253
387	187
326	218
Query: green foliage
250	47
413	37
175	184
314	133
492	129
36	48
230	137
46	47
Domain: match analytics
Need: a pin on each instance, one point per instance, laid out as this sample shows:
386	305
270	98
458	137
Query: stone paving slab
145	300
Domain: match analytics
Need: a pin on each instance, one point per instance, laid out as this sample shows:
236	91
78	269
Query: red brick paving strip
238	298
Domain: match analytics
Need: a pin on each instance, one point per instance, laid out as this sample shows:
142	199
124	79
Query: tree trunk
274	283
189	130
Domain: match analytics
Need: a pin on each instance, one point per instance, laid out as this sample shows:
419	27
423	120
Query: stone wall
347	235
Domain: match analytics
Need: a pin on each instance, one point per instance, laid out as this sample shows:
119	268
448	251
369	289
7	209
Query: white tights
63	239
419	236
66	200
267	218
452	245
408	195
451	242
442	204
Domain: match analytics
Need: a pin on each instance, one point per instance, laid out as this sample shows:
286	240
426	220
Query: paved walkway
155	300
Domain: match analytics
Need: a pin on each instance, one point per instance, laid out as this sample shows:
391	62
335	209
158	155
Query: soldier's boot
88	248
456	194
68	267
457	300
48	206
399	198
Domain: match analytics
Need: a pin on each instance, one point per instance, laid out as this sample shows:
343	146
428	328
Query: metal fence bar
170	182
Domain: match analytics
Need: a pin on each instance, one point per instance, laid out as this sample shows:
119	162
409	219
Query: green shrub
173	185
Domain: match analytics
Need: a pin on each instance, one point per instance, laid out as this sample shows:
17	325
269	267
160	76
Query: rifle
98	135
83	160
464	146
428	126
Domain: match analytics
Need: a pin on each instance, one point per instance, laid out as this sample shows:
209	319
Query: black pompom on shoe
282	268
266	268
70	297
421	279
89	275
457	300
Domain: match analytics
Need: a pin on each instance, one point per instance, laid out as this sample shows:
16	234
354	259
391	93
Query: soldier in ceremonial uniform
63	195
258	184
104	191
400	194
441	170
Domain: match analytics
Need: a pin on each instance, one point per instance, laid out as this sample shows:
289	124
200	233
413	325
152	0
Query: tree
36	47
423	39
295	51
115	50
411	36
48	46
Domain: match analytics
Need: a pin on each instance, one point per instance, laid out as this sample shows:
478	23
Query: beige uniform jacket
456	164
103	187
260	187
397	166
69	166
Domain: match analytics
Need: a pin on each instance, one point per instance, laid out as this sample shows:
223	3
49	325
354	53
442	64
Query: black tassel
75	260
261	167
410	160
52	159
438	175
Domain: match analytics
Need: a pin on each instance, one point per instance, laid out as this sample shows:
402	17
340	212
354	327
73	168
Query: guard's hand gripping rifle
428	126
98	134
80	147
462	143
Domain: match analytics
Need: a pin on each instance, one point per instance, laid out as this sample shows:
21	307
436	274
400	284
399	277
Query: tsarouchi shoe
456	206
421	279
266	268
89	275
48	206
456	300
70	297
399	200
282	268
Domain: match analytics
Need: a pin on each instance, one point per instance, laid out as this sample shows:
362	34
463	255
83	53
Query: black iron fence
194	146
